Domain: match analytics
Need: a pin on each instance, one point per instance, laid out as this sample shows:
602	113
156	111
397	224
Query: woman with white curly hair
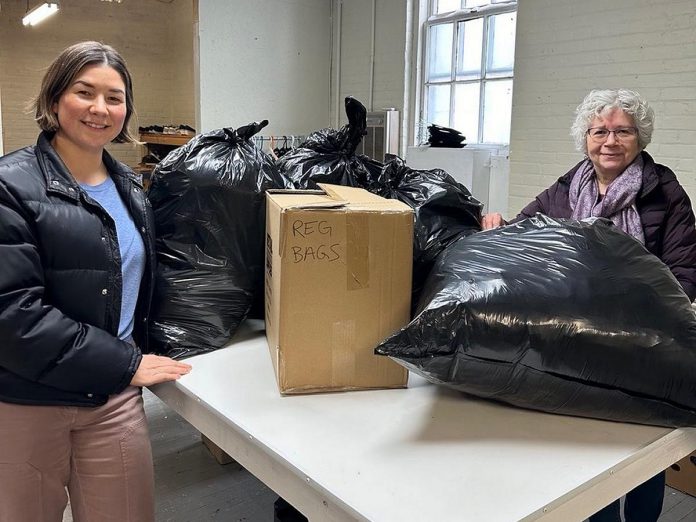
619	181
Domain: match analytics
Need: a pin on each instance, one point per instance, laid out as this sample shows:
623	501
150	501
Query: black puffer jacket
60	283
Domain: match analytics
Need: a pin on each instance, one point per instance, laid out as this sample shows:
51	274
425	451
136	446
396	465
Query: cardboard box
216	451
682	475
338	281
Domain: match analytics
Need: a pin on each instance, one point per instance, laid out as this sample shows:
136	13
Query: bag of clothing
439	136
560	316
444	210
328	156
209	201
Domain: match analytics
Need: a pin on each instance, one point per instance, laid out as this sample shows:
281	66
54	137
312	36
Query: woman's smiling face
611	157
91	111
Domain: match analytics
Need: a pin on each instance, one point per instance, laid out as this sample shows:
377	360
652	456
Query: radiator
484	171
382	134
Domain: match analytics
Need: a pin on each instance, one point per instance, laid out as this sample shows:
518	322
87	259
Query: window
469	61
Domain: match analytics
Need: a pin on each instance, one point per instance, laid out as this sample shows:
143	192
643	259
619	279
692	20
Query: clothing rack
278	145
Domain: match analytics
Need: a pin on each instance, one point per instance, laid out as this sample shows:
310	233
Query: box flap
361	199
305	199
295	191
335	197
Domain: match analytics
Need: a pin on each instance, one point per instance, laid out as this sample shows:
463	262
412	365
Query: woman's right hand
493	220
154	369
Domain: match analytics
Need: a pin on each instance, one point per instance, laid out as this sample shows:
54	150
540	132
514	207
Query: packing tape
357	251
343	363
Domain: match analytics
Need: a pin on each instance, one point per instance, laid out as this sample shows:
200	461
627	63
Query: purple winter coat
665	213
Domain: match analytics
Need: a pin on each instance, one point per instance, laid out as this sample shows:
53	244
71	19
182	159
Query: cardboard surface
338	281
682	475
216	451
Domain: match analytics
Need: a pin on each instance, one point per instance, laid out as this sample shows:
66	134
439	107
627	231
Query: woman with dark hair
77	244
621	182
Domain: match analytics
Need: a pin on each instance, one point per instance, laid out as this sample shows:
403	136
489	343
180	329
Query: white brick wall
155	38
565	48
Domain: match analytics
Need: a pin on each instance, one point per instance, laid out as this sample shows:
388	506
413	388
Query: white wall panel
264	59
362	68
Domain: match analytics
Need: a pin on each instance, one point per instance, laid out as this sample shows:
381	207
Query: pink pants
102	455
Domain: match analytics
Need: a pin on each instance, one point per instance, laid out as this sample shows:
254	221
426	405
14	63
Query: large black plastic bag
328	156
560	316
444	210
209	203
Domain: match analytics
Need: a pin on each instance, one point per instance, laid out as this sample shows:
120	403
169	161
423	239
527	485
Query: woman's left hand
154	369
493	220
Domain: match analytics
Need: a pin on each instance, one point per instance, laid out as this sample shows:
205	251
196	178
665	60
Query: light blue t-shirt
130	245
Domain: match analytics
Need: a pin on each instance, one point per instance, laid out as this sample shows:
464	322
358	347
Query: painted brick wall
565	48
155	38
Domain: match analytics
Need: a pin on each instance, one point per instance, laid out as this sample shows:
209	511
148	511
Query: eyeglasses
600	134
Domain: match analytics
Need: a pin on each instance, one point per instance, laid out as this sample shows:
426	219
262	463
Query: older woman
619	181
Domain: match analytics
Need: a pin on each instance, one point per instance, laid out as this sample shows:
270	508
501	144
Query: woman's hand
494	220
154	369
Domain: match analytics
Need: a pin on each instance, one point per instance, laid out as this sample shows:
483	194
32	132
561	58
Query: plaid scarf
618	204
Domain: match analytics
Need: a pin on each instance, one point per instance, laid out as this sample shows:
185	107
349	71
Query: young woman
77	250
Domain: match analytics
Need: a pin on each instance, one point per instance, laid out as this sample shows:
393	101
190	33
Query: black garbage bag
444	210
328	156
209	203
439	136
561	316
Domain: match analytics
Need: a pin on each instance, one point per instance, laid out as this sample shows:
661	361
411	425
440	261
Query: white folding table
424	453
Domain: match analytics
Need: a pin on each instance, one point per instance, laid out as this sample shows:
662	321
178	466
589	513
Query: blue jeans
643	504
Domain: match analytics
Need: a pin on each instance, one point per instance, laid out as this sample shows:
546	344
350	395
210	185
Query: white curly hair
598	102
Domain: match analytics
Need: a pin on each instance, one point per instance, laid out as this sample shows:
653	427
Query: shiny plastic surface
328	155
209	203
444	210
445	137
560	316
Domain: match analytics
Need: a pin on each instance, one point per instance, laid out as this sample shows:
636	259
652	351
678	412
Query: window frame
455	17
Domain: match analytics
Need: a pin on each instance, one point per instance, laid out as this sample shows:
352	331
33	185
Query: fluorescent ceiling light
40	13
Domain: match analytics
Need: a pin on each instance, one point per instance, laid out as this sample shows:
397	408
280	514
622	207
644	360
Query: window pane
439	104
501	43
475	3
445	6
469	49
497	111
440	53
466	110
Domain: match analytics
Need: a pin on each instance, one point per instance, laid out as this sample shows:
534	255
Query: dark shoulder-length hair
61	74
